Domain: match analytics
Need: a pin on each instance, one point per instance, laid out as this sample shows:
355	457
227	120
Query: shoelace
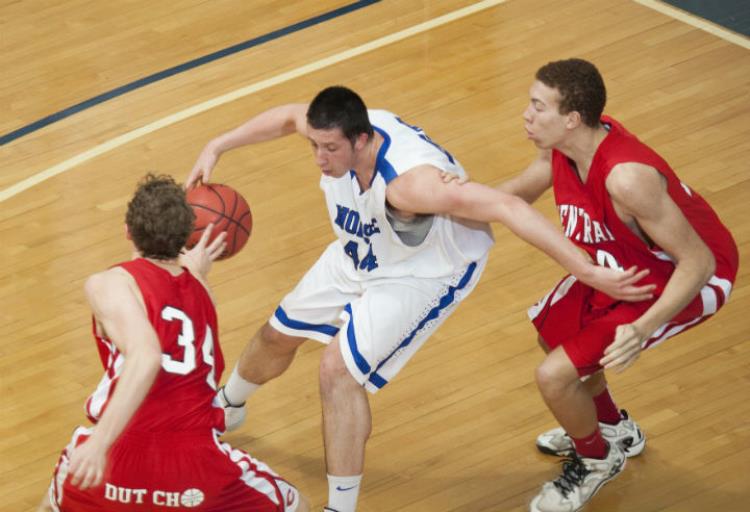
574	472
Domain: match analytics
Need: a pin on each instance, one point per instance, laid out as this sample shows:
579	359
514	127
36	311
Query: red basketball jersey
590	221
184	318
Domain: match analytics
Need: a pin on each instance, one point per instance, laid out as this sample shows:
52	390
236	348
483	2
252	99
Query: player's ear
361	141
127	233
573	120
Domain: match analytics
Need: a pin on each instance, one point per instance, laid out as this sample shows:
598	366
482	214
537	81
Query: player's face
333	152
545	125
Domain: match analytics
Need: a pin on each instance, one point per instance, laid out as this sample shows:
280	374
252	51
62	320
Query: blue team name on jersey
349	220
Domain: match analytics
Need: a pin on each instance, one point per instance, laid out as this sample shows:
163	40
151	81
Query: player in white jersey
402	263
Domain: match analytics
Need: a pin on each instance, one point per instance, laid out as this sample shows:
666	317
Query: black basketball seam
222	215
236	202
229	218
234	241
247	213
223	204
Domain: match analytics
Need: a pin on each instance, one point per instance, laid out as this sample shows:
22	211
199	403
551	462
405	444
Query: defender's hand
87	464
625	349
199	259
447	177
620	285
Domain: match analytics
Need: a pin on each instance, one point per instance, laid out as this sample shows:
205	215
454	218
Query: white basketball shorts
381	323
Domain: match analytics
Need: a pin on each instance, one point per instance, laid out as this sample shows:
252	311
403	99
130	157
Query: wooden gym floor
455	431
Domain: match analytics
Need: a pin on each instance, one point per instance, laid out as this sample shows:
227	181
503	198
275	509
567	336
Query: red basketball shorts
170	472
566	317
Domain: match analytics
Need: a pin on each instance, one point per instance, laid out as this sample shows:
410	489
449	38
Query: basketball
226	209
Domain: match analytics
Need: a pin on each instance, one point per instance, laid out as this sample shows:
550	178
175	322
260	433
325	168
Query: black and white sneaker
581	478
234	415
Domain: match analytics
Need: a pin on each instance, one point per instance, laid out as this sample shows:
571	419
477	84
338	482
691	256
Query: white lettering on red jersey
184	318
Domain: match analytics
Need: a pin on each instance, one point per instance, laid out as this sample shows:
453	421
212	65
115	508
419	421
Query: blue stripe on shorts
445	301
280	314
361	362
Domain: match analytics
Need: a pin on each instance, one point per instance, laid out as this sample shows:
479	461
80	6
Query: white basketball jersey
365	233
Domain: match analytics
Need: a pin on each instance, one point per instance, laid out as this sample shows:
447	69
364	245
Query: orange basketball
226	209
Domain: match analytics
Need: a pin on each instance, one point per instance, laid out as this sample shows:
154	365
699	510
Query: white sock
343	492
237	390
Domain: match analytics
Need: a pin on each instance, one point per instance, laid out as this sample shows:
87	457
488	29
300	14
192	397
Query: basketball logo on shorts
191	498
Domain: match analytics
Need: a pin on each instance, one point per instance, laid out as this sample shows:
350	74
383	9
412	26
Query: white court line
697	22
239	93
315	66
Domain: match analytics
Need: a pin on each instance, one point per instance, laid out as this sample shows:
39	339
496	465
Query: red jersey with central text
591	222
184	317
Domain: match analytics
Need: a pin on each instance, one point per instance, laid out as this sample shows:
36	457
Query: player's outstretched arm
121	315
640	192
422	190
271	124
533	181
528	185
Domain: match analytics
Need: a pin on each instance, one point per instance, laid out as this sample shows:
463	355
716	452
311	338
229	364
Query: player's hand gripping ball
226	209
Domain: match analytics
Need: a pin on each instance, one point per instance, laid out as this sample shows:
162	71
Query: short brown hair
580	85
159	218
342	108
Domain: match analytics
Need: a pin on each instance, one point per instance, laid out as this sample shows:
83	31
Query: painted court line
315	66
239	93
697	22
186	66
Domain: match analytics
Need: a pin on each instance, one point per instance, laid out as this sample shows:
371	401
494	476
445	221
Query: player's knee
333	370
277	341
549	378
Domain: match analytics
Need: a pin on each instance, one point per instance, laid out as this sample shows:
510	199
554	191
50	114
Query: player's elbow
709	265
701	263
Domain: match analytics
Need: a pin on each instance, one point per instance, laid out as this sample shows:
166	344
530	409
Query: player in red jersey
155	442
621	203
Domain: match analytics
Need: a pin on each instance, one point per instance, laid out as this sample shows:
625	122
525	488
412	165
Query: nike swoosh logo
339	488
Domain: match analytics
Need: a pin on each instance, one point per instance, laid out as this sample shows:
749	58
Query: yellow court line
239	93
697	22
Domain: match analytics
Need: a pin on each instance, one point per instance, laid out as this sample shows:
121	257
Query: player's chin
538	143
331	173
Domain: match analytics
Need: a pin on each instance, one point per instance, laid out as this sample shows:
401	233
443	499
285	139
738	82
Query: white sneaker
234	415
626	434
580	480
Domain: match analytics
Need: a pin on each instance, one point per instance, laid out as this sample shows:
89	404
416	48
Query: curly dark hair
339	107
580	85
159	218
